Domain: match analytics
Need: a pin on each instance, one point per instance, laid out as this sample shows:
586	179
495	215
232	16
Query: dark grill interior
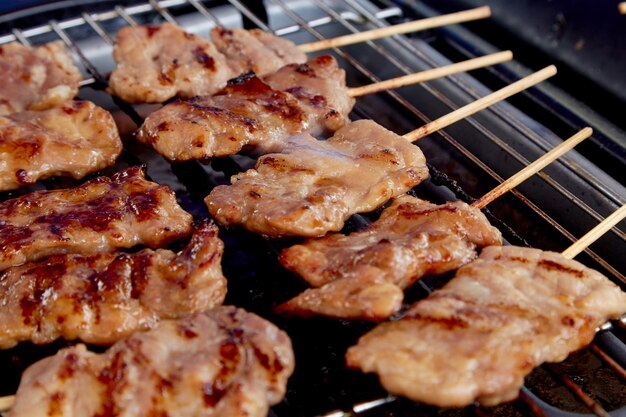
466	160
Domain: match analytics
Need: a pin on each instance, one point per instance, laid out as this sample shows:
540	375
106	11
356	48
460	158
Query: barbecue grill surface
470	158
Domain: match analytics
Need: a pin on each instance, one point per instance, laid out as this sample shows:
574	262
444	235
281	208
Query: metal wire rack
317	19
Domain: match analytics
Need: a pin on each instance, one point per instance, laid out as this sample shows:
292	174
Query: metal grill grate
469	153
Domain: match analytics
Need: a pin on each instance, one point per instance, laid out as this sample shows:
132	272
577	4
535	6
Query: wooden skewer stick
481	103
431	74
414	26
622	7
595	233
6	403
533	168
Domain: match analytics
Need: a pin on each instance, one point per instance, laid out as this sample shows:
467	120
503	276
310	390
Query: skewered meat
311	186
502	315
105	297
156	63
73	139
222	363
251	113
362	275
255	50
36	78
99	216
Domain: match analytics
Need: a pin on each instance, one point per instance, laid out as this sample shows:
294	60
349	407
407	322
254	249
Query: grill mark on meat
46	276
112	378
558	267
202	57
139	275
151	30
22	177
230	356
55	407
315	100
236	118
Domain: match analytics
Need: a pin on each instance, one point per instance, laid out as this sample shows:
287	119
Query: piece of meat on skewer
73	139
99	216
103	298
255	50
223	363
156	63
253	114
312	186
36	78
362	275
476	338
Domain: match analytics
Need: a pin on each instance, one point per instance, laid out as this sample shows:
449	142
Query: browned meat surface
105	297
99	216
250	114
156	63
74	139
222	363
362	275
311	186
320	86
255	50
476	338
36	78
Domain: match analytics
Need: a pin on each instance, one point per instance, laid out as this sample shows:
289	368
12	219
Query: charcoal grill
466	160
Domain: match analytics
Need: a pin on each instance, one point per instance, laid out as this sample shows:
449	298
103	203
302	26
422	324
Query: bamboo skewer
414	26
6	403
622	7
481	103
533	168
595	233
431	74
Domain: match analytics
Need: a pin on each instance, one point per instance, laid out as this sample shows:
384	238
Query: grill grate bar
246	12
123	13
529	403
609	360
592	405
163	12
204	11
19	36
98	28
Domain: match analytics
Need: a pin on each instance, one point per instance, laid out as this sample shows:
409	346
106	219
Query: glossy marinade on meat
36	78
72	139
478	337
103	298
223	363
98	216
312	186
363	275
252	114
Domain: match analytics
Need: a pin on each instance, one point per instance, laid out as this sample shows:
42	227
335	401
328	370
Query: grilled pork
255	50
362	275
252	114
105	297
36	78
74	139
99	216
312	186
476	338
222	363
156	63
